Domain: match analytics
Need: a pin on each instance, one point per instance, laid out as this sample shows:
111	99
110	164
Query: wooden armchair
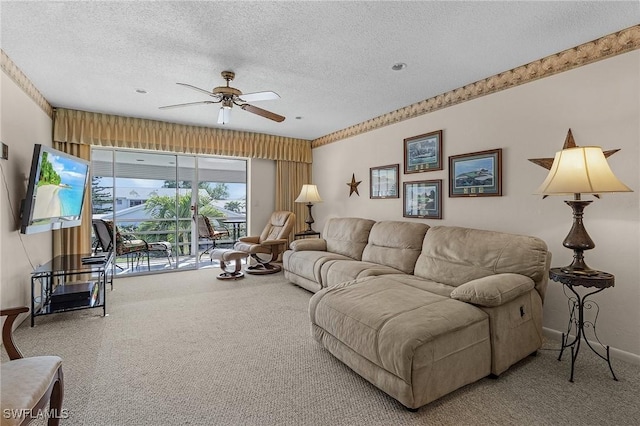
271	242
29	384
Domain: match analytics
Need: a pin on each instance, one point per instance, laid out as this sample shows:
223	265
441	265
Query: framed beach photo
384	181
423	153
478	174
423	199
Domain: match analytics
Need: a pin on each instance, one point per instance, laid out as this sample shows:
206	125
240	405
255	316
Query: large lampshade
580	170
309	194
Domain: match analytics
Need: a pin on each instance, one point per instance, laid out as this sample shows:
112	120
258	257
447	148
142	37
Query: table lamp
580	170
309	194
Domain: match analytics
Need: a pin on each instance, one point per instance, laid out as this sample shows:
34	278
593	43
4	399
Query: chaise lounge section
470	306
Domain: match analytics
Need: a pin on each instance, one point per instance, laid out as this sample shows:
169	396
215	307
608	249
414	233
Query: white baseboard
615	353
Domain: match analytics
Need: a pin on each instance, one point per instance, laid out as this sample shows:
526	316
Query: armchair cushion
125	243
25	381
280	225
28	384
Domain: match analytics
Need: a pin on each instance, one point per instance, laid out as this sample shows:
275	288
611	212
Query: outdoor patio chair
127	245
207	231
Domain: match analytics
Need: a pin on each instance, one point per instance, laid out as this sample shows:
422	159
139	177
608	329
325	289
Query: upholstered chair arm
255	239
309	244
7	331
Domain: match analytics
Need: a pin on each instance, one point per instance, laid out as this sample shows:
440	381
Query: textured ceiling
329	61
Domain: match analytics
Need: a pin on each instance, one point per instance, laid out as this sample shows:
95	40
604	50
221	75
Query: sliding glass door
154	199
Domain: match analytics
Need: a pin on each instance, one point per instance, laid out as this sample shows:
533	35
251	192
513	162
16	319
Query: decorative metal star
569	142
353	185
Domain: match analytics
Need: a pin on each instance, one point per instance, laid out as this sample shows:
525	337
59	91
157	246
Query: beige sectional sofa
419	311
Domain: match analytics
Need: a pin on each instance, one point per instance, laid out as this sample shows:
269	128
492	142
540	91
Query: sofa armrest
309	244
493	290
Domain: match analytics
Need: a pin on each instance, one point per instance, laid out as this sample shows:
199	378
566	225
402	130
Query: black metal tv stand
70	283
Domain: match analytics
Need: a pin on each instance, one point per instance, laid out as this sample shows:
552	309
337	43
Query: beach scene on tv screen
60	187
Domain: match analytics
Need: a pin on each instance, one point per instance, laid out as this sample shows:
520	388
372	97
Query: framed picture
384	181
423	199
423	153
478	174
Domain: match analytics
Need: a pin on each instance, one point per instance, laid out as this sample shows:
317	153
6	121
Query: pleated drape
290	176
96	129
75	240
75	132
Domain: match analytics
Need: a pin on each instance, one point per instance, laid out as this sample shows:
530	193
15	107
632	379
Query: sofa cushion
422	284
392	324
347	235
336	271
454	256
307	264
493	290
395	244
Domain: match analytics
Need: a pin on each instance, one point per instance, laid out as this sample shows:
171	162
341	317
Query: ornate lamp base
309	219
578	240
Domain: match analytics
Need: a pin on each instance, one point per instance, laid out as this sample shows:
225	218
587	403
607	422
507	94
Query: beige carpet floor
187	349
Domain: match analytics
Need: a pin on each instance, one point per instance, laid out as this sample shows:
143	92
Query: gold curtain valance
91	128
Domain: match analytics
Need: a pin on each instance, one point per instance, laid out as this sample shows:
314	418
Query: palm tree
235	206
165	207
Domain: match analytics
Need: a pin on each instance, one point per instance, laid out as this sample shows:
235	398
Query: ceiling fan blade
188	104
208	92
259	96
224	116
262	112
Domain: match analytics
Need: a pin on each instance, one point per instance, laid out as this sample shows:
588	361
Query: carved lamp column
580	170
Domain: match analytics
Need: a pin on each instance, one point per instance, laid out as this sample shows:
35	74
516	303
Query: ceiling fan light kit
230	96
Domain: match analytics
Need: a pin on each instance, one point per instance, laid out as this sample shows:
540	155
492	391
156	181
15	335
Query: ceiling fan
229	96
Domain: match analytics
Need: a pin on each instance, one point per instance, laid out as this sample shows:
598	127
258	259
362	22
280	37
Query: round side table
577	304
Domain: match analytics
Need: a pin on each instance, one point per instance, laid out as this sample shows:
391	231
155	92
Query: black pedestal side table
577	305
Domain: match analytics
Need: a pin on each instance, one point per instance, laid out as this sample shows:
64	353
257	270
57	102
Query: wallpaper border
605	47
16	74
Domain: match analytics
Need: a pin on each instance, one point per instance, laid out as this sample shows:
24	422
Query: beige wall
22	124
599	102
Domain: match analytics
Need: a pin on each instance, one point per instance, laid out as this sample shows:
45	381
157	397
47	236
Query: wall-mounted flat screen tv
55	193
